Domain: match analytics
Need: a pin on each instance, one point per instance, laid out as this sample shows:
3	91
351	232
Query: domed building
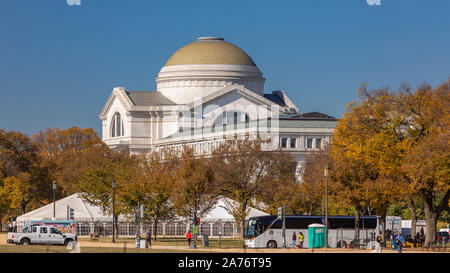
209	90
204	66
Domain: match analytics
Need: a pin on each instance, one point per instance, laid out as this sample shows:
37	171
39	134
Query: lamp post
325	173
113	186
54	201
195	230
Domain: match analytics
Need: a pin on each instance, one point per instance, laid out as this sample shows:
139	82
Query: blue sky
59	63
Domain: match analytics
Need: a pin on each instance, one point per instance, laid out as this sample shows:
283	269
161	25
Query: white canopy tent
220	211
91	219
85	212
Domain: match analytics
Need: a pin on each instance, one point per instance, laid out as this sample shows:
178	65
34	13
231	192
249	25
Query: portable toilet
316	235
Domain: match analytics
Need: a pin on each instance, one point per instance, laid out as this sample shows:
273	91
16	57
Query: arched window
117	129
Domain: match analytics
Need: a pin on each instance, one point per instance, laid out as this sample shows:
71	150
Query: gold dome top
210	50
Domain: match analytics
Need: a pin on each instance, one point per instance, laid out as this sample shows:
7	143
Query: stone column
301	145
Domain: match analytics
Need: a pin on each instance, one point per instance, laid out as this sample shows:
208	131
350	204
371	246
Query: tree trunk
412	208
432	214
23	207
357	218
155	229
242	223
243	233
383	228
431	219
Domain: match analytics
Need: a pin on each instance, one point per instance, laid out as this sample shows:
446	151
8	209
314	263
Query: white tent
220	211
83	211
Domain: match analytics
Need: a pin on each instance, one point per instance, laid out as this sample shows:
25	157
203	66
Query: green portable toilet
316	235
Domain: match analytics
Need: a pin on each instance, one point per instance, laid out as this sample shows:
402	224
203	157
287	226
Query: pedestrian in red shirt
189	237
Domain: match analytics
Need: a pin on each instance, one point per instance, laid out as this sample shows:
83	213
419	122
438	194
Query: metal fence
171	229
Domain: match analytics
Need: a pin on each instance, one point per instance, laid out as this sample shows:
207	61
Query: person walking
300	239
189	238
294	239
148	239
379	246
393	241
399	241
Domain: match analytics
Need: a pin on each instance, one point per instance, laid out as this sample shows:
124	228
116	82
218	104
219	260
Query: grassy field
84	249
174	242
176	245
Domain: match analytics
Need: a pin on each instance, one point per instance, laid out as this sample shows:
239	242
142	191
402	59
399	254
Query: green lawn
213	243
63	249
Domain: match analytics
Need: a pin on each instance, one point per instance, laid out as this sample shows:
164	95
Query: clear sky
59	63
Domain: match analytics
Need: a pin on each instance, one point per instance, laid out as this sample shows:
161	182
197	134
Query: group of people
297	241
397	242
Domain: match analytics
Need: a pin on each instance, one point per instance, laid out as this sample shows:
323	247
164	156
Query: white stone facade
183	83
200	105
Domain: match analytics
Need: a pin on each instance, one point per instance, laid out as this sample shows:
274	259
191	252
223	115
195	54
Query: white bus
266	231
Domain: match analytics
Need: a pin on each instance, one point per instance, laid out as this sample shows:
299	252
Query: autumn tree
152	185
194	193
95	182
19	159
391	145
242	169
67	152
424	116
367	151
9	200
311	189
428	166
280	184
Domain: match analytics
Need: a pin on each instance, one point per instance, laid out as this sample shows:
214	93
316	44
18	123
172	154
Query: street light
54	201
325	173
113	186
195	229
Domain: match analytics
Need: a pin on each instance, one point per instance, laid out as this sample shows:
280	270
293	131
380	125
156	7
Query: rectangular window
284	143
318	143
309	142
54	231
293	142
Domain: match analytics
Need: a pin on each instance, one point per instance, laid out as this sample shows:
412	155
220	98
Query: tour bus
266	231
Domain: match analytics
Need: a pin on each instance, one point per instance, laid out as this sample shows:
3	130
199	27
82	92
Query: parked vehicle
266	231
442	237
41	235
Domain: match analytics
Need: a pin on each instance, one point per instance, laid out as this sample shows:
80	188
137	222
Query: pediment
231	94
118	93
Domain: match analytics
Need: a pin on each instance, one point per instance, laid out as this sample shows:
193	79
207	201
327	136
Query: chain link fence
171	229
